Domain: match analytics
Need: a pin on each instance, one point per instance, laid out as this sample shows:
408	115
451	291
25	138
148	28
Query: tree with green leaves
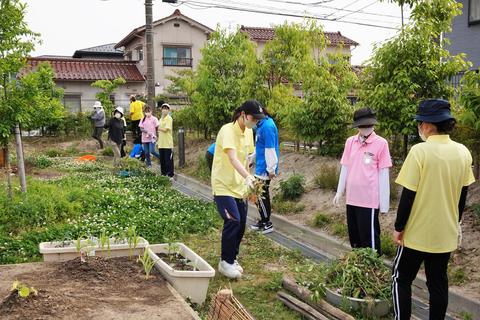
16	42
412	66
223	77
469	114
107	88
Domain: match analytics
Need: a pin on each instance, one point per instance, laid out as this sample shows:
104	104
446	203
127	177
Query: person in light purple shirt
149	127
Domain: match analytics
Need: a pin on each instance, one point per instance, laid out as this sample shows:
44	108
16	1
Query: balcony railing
177	62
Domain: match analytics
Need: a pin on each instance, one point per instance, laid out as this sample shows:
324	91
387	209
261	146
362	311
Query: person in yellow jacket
231	180
136	114
165	141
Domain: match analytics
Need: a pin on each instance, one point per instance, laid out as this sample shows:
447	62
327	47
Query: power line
316	17
348	5
357	11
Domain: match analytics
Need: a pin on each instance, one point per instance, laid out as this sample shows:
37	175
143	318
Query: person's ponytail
236	114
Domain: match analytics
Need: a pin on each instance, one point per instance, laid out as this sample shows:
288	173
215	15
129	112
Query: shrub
340	229
39	161
107	152
293	187
53	153
388	246
327	178
321	220
286	207
457	276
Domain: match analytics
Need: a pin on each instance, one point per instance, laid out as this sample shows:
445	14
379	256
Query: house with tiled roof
75	76
335	40
105	51
178	41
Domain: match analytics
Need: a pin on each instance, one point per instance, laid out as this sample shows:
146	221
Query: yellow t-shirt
165	139
226	181
136	110
436	170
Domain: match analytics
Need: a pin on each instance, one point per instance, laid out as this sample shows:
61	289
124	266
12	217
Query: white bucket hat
97	105
119	109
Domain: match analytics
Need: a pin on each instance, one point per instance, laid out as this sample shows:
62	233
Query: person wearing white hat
98	119
165	142
116	133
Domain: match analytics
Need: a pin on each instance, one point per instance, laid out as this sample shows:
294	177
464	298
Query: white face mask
148	114
420	133
249	124
165	112
118	115
365	132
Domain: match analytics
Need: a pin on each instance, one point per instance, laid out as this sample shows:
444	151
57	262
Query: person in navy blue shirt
267	154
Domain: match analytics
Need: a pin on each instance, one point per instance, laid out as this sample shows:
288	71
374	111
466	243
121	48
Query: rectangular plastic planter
190	284
63	251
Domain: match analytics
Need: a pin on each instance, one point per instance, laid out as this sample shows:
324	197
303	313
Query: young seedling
132	239
173	250
105	242
23	290
193	264
84	247
147	263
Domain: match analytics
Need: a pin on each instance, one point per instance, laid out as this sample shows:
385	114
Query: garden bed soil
177	262
98	289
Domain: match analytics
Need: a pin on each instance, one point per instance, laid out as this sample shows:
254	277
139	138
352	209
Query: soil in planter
177	261
97	289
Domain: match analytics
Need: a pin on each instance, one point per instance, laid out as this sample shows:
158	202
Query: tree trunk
9	172
20	160
476	167
297	146
405	145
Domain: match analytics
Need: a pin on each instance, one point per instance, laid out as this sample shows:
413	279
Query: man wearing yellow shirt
136	114
165	141
435	178
230	180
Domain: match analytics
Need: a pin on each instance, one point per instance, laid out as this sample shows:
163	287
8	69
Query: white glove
336	200
249	181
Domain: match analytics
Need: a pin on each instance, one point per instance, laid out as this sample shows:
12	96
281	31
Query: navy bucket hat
364	117
433	111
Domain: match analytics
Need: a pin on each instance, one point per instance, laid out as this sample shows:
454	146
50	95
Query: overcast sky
68	25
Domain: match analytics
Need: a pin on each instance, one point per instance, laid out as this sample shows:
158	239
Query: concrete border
332	248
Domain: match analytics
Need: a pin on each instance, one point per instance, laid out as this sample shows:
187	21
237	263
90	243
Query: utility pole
150	56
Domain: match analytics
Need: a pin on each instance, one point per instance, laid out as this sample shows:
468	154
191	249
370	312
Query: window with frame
72	103
473	12
129	56
177	56
139	53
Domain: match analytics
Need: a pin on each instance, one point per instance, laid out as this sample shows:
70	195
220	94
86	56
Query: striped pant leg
405	269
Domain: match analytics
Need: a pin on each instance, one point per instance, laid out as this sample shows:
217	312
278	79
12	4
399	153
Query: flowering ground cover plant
91	198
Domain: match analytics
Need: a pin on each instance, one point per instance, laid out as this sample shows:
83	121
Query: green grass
198	169
287	207
327	178
457	276
389	249
292	188
340	229
264	264
321	220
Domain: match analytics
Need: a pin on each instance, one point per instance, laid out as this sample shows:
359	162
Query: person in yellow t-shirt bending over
136	114
165	141
435	178
231	180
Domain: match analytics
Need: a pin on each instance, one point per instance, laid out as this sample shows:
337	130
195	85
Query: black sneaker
257	226
267	228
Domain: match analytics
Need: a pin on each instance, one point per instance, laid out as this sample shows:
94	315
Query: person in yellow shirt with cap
435	178
231	180
136	114
165	141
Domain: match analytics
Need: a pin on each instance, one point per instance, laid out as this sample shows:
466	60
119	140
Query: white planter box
190	284
375	307
63	251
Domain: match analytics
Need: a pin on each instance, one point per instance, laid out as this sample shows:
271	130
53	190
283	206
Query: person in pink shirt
365	177
149	127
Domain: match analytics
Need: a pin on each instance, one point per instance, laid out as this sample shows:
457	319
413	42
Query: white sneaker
238	266
228	270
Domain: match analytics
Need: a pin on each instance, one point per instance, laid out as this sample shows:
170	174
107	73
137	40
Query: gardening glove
250	181
336	199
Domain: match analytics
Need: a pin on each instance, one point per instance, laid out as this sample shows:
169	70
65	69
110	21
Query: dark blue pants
234	214
166	162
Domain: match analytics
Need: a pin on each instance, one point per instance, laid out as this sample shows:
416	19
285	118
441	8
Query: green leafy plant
321	220
389	249
173	250
107	151
84	246
132	239
327	177
362	274
104	240
339	229
293	187
23	290
287	207
147	262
